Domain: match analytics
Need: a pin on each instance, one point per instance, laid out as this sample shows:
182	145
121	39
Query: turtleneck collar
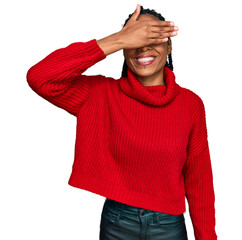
157	95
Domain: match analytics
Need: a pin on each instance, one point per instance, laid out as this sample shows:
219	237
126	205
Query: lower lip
144	63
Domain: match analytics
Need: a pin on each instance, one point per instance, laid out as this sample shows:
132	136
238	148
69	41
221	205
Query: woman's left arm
198	176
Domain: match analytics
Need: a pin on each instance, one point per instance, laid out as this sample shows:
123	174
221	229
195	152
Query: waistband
123	209
118	206
122	206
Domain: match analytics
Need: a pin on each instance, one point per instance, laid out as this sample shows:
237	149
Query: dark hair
157	15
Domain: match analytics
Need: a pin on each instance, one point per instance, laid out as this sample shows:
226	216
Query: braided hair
157	15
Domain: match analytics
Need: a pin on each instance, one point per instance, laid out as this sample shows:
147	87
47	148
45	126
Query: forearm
111	43
198	180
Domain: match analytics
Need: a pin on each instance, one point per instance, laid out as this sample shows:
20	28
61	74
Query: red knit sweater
145	146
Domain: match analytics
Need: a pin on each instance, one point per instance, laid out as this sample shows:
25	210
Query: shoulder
193	99
190	94
100	85
195	104
99	80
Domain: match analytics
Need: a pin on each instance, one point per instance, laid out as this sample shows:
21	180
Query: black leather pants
125	222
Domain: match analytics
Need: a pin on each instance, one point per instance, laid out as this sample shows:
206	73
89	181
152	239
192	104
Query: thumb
136	13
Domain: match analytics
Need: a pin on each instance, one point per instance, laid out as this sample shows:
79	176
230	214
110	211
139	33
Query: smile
145	61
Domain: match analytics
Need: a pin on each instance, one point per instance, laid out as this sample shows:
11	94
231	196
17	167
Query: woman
141	140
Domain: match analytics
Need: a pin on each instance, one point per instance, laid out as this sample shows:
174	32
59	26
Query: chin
144	73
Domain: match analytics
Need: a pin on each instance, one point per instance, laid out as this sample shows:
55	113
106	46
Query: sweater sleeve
198	177
58	77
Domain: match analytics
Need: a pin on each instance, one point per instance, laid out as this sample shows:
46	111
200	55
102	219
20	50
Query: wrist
111	43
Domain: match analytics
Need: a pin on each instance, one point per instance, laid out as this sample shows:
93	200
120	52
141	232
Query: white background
37	138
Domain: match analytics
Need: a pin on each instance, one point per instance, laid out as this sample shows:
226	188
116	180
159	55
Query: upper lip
145	56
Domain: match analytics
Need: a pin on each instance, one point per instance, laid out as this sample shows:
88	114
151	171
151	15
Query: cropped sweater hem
125	195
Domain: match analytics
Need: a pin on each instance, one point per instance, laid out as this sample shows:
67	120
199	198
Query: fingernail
137	6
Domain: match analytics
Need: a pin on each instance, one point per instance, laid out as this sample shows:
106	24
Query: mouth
144	61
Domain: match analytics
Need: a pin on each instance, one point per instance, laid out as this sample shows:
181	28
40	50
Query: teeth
145	59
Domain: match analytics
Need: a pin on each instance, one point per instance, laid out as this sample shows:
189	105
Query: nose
145	48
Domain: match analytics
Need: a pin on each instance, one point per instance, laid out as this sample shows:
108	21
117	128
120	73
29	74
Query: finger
162	34
156	35
152	41
135	14
163	29
161	23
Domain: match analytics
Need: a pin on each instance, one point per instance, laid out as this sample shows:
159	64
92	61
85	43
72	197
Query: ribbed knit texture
145	146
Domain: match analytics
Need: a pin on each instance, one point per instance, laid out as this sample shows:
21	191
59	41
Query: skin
152	74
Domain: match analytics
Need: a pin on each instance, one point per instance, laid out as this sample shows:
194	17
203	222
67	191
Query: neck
152	80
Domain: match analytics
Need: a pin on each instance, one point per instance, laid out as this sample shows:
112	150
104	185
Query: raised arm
59	78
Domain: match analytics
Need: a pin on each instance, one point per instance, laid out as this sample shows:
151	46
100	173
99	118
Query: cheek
163	54
160	48
128	53
128	57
